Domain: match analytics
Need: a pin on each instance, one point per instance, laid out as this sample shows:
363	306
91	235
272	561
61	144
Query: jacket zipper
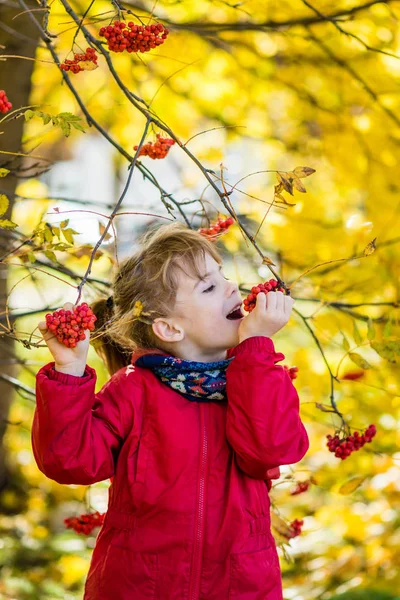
198	546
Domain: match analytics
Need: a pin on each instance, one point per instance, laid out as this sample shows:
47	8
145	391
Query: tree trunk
17	37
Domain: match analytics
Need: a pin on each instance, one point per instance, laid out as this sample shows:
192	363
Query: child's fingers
280	301
271	301
46	333
261	301
288	305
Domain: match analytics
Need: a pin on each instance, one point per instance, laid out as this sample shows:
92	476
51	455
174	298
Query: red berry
5	105
138	39
68	326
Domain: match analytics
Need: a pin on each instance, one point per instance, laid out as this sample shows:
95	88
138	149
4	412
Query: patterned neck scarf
197	381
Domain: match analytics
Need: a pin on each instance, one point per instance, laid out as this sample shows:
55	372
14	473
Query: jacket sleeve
263	424
77	434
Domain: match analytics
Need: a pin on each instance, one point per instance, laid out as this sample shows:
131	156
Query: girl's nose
232	287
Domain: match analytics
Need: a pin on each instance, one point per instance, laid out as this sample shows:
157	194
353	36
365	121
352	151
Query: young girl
194	419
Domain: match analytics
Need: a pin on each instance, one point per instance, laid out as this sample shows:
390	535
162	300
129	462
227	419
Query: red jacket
189	510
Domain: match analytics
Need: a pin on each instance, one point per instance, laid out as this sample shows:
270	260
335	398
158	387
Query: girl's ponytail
114	355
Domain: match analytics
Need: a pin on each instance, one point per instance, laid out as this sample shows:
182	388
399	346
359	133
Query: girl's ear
167	330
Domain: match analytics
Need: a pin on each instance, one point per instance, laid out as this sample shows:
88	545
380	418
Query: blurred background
251	92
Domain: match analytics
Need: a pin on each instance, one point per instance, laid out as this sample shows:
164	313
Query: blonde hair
145	288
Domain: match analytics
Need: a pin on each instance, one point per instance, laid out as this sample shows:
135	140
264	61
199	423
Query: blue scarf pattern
197	381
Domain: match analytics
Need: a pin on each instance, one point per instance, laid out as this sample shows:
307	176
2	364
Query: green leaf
56	231
46	118
4	172
29	114
359	360
387	330
356	334
68	234
32	257
64	223
61	246
77	126
6	224
4	202
51	256
346	344
65	115
371	329
388	349
65	128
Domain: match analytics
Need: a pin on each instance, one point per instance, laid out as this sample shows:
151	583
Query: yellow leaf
138	308
102	230
48	234
87	65
369	248
371	330
50	255
4	172
345	344
6	224
351	485
359	360
4	202
356	334
280	529
388	349
67	233
268	261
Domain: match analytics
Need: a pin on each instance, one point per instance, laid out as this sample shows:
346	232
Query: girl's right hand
71	361
271	313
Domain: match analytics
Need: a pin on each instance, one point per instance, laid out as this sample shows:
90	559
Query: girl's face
199	329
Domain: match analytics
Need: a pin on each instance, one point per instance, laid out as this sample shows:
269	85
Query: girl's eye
209	289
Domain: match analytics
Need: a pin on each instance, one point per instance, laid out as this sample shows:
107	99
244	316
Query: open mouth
235	314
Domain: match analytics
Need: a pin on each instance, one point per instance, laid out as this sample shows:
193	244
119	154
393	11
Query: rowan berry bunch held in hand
269	286
74	66
69	326
133	38
345	446
217	228
5	105
85	523
159	149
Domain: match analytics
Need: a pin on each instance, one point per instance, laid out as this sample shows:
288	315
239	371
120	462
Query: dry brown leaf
303	171
370	248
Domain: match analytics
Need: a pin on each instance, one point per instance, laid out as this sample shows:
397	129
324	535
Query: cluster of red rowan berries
85	523
301	486
74	66
292	371
269	286
344	447
159	149
133	38
69	326
217	228
5	105
296	526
